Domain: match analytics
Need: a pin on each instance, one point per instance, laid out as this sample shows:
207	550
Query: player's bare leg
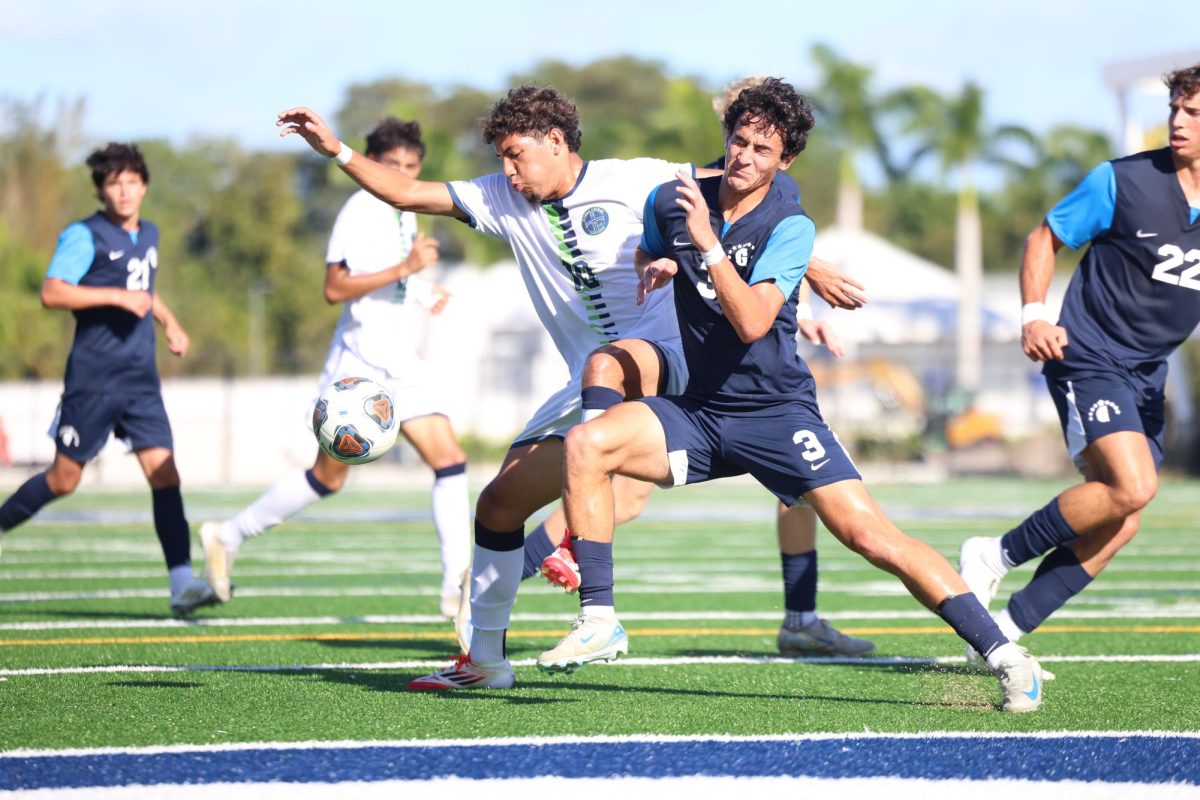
853	516
628	439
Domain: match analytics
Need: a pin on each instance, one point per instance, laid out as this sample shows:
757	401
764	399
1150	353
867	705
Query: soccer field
336	611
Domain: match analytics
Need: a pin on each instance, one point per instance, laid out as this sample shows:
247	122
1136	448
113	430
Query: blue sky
219	68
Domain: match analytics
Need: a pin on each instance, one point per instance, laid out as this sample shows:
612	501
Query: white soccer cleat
591	639
819	638
466	674
560	569
978	663
1021	678
218	561
974	565
196	594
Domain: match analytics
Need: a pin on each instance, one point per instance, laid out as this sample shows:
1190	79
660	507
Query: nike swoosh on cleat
1032	694
586	639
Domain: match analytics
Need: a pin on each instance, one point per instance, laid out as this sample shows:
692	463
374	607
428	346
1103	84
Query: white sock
287	496
1004	621
180	577
487	647
1002	653
452	520
795	620
993	557
495	577
608	613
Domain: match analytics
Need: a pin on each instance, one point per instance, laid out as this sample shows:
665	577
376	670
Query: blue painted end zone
1137	758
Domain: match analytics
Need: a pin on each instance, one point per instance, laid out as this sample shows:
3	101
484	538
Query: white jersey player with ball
373	255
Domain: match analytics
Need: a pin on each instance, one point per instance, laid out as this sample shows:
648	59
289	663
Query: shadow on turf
377	682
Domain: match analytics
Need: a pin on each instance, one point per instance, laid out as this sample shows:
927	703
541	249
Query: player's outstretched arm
1041	339
177	338
389	185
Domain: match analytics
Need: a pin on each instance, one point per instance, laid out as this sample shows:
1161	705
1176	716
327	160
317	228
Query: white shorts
564	409
413	395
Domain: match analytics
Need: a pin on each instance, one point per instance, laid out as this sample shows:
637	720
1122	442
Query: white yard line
1131	611
1175	658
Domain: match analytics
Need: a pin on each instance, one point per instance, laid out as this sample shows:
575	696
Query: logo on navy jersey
1099	411
69	436
595	220
739	254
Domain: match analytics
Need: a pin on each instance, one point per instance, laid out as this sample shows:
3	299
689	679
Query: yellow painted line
549	634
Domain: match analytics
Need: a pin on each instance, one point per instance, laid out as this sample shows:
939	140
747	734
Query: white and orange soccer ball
355	420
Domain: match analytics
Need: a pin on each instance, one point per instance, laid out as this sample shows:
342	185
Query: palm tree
956	131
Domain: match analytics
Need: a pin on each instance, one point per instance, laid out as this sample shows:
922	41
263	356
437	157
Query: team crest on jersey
594	221
1099	412
739	254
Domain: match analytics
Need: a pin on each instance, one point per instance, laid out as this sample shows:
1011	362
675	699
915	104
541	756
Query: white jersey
576	252
368	236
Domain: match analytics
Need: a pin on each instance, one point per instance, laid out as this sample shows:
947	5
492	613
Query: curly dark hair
1184	82
533	111
392	133
776	106
114	159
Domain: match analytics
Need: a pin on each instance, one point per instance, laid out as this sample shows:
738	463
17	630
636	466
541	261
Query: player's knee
603	368
63	482
1132	495
497	510
586	447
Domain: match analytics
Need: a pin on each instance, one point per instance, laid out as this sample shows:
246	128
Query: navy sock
600	398
1058	578
595	572
500	541
321	489
26	501
537	547
972	622
172	526
800	581
1044	530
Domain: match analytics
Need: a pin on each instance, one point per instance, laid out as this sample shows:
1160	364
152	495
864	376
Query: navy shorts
788	448
85	420
1095	402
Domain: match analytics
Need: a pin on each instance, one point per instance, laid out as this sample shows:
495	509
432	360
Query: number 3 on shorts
812	448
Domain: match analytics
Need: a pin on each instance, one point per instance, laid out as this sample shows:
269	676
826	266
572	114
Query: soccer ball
355	420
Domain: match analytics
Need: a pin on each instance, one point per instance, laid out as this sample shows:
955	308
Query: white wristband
714	256
344	155
803	311
1031	312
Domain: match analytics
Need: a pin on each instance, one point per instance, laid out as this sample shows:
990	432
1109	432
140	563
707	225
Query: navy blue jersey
773	242
113	349
1136	294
